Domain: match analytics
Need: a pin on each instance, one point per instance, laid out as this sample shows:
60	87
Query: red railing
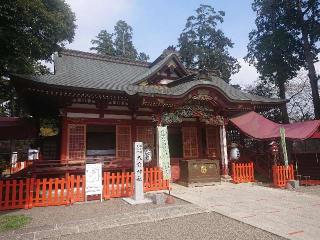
77	186
153	180
117	184
281	175
121	184
32	192
242	172
14	194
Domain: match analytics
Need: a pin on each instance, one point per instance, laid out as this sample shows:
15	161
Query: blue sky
157	24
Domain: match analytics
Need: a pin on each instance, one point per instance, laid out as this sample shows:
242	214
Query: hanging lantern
234	152
147	154
274	149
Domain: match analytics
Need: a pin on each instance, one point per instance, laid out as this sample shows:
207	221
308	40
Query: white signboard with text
138	171
93	179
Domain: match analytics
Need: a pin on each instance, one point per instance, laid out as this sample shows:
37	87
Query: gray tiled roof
75	69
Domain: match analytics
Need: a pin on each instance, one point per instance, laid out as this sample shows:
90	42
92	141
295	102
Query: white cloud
95	15
246	76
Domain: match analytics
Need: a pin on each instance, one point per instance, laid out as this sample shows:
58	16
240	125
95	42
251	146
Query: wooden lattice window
76	141
123	141
213	142
190	142
145	134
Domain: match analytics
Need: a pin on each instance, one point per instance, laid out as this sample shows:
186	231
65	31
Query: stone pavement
289	214
104	222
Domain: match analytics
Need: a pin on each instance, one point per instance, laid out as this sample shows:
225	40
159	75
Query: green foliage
143	57
286	39
104	43
303	19
32	30
203	46
11	222
123	40
119	43
272	48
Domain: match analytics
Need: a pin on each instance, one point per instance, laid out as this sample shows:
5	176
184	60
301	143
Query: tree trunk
312	76
282	95
310	65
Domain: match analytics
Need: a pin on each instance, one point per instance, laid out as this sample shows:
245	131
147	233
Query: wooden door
145	134
190	142
123	142
76	141
213	142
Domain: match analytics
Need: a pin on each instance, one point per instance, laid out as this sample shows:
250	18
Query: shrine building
104	103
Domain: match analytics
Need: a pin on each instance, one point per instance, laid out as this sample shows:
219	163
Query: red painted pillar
64	139
200	147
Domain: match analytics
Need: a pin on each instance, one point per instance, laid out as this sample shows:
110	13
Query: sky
157	24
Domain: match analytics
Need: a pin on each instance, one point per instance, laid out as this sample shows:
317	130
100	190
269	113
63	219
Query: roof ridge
109	58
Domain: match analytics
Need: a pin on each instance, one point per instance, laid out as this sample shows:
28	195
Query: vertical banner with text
283	145
163	152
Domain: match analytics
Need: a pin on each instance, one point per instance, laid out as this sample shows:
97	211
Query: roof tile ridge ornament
165	53
97	56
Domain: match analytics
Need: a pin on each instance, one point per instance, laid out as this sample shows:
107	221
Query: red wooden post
64	139
14	194
122	183
83	187
31	193
21	198
44	190
107	186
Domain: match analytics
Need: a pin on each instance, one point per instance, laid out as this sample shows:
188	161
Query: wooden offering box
199	172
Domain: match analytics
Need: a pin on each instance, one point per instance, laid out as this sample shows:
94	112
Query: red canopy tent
258	127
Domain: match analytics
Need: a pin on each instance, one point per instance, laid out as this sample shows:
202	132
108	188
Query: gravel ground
201	226
60	214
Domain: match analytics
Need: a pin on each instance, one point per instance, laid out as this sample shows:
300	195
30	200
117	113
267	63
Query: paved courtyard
290	214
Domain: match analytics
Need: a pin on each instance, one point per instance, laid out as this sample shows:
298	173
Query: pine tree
104	43
203	46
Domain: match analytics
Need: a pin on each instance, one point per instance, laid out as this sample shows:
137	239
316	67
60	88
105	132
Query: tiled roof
76	69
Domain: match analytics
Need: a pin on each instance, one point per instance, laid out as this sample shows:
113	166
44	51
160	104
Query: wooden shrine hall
103	104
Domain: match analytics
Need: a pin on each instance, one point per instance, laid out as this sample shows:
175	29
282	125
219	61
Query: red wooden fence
281	175
77	186
117	184
121	184
31	192
242	172
153	180
14	194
